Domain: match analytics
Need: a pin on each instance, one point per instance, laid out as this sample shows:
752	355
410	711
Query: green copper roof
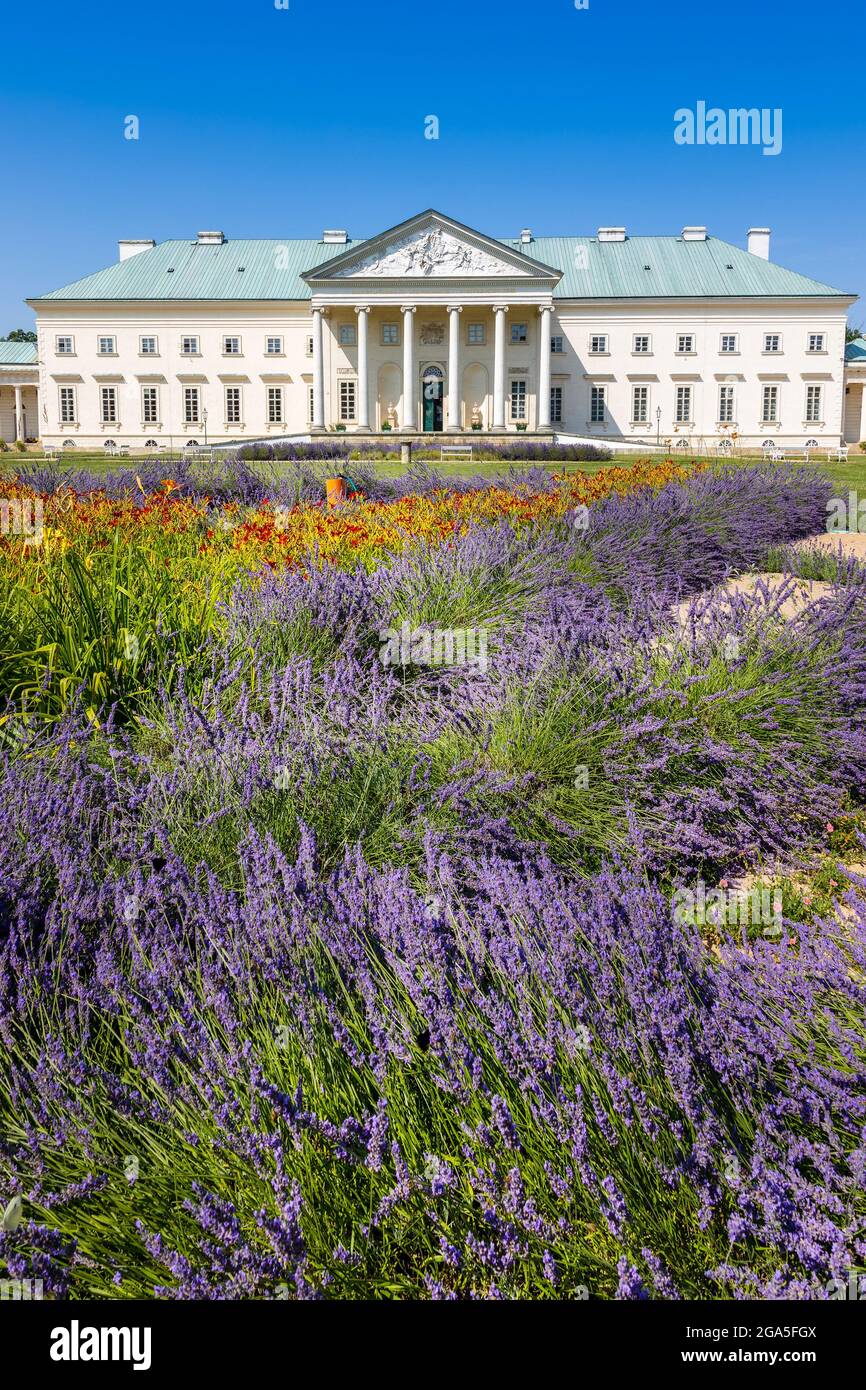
17	354
637	268
856	351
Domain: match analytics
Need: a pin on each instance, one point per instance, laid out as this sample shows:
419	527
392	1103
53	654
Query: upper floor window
518	333
231	347
772	342
273	346
598	342
189	345
348	334
107	346
728	342
817	342
147	347
476	335
390	334
641	343
685	342
556	343
64	346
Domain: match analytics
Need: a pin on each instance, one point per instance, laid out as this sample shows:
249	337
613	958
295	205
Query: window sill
642	354
151	356
690	353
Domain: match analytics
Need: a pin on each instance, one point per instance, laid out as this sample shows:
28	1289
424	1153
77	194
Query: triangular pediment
431	247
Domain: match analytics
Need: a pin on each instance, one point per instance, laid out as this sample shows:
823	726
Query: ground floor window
518	400
311	397
770	405
275	405
596	405
150	405
556	405
726	405
233	405
639	404
348	391
108	404
684	405
813	403
190	405
67	405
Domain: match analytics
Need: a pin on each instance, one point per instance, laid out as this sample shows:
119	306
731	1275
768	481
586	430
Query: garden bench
455	452
840	454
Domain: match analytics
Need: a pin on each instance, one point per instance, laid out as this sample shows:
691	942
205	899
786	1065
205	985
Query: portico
412	331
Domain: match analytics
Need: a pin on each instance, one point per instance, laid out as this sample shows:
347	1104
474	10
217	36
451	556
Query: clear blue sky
277	123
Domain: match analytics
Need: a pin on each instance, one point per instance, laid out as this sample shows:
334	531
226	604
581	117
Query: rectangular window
65	347
275	405
348	335
347	400
770	405
556	405
308	348
150	405
189	345
518	333
816	342
556	343
231	347
641	343
639	405
273	346
390	334
813	404
147	347
598	342
67	405
310	400
108	404
233	405
518	400
476	335
685	342
728	342
684	405
726	405
190	405
772	342
106	347
596	404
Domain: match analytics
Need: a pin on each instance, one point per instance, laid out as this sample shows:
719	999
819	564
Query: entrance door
433	400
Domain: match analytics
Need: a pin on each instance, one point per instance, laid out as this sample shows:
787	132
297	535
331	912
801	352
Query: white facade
478	331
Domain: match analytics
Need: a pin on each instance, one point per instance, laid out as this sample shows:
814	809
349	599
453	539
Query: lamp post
658	425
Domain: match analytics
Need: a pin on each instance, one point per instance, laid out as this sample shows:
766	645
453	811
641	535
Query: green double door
432	398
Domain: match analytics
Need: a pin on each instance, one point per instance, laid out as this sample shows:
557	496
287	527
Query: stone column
19	414
544	372
408	422
363	312
318	374
455	386
499	310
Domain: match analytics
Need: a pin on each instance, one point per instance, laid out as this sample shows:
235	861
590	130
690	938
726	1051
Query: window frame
554	339
814	388
816	350
727	392
595	338
597	404
145	391
106	338
556	401
192	393
770	392
481	327
519	333
232	352
148	338
390	334
729	351
274	351
108	396
347	400
347	335
772	351
686	351
190	338
642	338
229	390
684	404
639	387
64	338
275	396
518	396
73	395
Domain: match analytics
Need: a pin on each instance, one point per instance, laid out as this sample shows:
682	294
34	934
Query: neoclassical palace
432	326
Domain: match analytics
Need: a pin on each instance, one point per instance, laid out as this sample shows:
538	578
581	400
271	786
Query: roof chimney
611	233
210	238
133	248
694	233
526	236
759	242
335	238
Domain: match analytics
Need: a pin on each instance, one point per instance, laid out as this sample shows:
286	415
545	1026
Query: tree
20	335
851	333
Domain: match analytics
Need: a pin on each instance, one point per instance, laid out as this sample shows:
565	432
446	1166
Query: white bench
840	454
455	452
